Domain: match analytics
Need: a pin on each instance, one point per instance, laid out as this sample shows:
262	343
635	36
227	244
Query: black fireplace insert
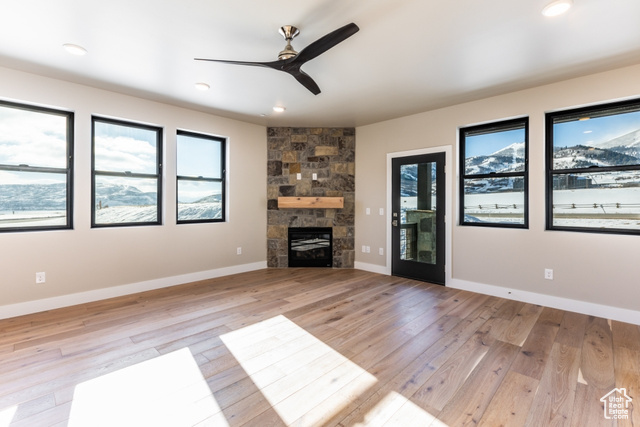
310	247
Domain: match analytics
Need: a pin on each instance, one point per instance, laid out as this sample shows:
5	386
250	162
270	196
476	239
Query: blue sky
483	145
596	130
198	157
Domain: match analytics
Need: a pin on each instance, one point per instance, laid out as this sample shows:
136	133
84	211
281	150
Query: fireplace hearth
310	247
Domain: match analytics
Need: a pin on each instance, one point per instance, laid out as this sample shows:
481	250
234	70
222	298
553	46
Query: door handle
394	222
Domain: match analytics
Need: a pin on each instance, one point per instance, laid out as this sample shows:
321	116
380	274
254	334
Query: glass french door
418	208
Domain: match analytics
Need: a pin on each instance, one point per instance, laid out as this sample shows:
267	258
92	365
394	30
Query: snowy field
610	208
111	215
503	208
32	218
133	214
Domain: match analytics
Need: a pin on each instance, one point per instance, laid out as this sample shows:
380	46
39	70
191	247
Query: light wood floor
312	347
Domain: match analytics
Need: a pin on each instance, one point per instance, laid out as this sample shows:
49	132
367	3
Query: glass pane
612	140
120	148
418	212
199	157
31	199
499	152
32	138
494	200
597	200
126	200
199	200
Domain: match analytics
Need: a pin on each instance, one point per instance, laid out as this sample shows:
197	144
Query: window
593	169
493	177
126	173
36	168
200	178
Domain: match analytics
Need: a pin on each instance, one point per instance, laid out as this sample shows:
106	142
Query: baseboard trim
373	268
20	309
584	307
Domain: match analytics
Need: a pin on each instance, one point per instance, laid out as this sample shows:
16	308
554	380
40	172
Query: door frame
448	213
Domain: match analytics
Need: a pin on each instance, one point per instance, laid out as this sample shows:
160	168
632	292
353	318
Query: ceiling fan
290	61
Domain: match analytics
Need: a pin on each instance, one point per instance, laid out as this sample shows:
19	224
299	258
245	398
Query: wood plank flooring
314	347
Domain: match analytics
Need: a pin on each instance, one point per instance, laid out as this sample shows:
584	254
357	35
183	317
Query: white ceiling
409	55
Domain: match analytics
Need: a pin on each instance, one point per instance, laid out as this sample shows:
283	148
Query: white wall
591	271
85	264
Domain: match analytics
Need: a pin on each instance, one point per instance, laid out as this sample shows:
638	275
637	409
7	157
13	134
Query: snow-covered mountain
409	180
25	197
582	156
214	198
623	150
629	140
628	145
44	197
507	159
515	150
123	195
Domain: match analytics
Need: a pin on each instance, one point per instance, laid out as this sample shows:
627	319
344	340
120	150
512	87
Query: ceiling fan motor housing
288	32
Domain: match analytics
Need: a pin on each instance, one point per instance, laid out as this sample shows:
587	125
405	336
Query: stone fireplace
311	162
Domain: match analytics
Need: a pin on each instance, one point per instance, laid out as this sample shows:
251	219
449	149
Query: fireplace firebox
311	247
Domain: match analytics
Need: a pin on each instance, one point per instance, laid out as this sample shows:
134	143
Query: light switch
368	211
299	176
314	176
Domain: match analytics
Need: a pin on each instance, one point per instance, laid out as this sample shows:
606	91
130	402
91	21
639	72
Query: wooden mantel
311	202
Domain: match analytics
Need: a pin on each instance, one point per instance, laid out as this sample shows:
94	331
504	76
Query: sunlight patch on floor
308	373
168	390
396	410
6	415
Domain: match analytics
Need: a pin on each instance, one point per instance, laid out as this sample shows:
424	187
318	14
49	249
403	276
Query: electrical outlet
239	251
364	249
548	274
299	176
367	211
40	277
381	211
368	249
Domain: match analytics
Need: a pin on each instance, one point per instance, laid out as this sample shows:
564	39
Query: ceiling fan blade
292	65
325	43
305	80
272	64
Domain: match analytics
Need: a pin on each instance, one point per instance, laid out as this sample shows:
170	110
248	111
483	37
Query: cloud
124	154
32	138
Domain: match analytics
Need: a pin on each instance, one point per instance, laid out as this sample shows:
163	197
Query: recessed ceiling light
74	49
202	86
278	109
557	7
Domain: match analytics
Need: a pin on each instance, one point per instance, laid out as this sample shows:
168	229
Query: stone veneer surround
329	153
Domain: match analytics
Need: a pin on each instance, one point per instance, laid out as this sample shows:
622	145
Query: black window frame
67	171
487	128
599	110
127	174
221	180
